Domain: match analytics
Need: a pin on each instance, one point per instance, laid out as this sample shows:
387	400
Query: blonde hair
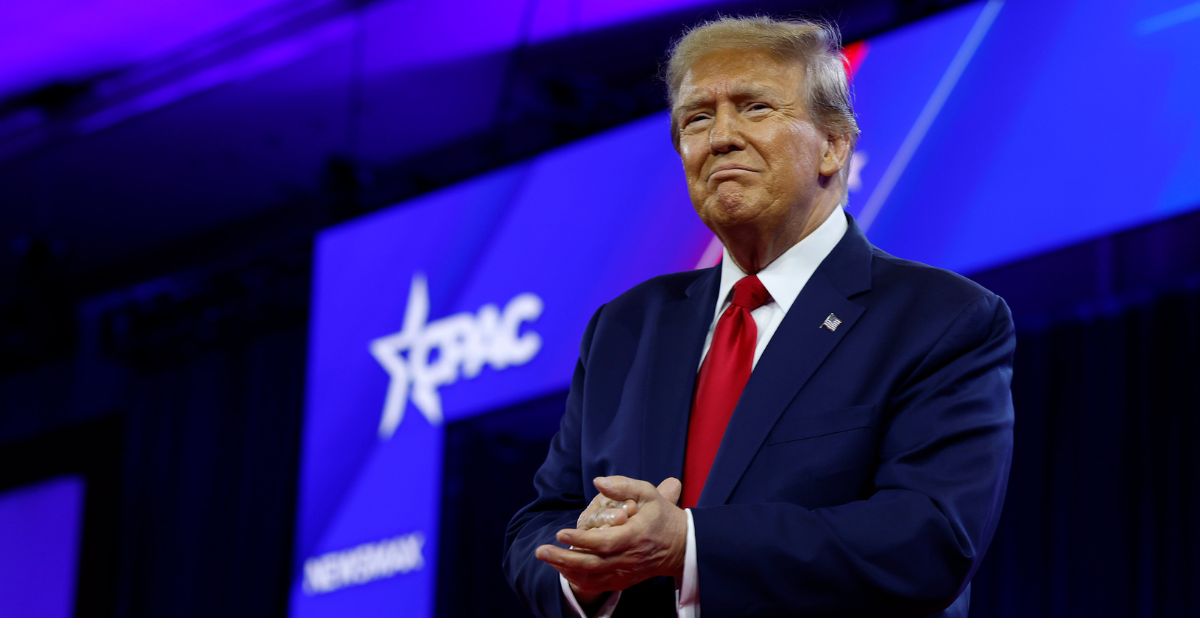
815	45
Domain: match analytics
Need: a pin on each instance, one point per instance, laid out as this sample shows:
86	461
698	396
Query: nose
725	135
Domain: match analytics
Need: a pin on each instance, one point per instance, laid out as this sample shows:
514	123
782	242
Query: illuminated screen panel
466	300
39	548
498	24
1051	123
990	133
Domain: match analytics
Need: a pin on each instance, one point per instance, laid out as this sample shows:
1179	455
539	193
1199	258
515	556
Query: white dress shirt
784	278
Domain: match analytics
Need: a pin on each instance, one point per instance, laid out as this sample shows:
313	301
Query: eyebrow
742	91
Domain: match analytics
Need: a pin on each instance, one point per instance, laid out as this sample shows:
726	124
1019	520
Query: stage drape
1103	507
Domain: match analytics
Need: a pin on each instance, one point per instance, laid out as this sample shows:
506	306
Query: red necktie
723	375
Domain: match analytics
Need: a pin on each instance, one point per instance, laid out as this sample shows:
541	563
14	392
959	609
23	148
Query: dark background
154	296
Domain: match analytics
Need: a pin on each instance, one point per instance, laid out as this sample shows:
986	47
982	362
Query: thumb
671	489
620	488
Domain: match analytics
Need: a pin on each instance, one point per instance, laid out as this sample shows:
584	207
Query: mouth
730	170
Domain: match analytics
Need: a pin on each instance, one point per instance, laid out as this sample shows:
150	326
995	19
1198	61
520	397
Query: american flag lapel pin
831	322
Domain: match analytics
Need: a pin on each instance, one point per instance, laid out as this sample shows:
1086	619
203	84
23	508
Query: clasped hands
630	532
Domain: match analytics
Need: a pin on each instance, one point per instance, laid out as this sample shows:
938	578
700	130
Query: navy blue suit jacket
862	472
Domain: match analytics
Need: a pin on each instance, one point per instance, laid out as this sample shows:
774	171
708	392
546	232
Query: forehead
736	71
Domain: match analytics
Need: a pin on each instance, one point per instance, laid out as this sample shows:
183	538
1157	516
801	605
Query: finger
629	505
602	483
604	512
670	488
593	520
605	541
605	518
593	507
567	559
622	488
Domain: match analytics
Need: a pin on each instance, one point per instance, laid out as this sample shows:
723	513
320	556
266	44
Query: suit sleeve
913	543
560	499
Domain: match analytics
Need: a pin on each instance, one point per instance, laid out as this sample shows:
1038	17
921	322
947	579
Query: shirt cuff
606	609
687	596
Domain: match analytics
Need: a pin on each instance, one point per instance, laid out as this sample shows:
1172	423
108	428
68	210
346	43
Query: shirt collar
786	276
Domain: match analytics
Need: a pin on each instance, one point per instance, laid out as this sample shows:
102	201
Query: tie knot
749	293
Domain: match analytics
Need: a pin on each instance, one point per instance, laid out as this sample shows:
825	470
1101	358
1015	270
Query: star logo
425	356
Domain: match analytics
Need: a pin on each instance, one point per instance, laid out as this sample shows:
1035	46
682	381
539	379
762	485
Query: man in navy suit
841	419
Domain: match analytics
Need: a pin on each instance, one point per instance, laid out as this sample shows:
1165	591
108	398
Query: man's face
752	155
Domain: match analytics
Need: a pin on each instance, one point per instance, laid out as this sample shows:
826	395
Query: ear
836	153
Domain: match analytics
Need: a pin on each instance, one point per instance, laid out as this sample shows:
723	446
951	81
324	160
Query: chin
733	212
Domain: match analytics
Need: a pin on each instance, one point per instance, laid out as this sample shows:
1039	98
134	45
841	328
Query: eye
758	107
694	118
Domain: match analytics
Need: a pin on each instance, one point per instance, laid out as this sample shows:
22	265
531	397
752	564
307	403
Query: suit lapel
797	349
680	333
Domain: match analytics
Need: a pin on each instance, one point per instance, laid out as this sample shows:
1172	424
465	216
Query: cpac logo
463	342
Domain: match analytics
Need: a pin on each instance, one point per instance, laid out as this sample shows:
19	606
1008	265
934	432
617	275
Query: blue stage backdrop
989	135
40	528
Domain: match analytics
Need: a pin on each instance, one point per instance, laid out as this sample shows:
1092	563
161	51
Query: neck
754	246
